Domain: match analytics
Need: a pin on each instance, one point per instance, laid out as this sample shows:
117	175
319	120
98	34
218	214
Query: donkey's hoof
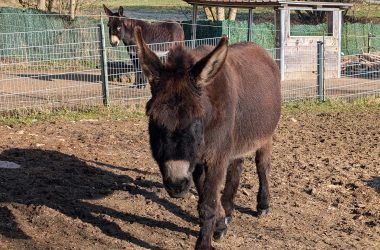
221	228
219	234
227	220
262	212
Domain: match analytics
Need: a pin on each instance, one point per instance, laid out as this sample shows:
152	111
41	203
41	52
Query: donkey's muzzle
178	189
114	40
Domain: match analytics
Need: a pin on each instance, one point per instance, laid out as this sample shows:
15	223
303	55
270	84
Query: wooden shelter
292	52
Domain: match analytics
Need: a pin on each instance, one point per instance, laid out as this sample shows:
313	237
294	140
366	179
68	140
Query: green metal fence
64	64
355	36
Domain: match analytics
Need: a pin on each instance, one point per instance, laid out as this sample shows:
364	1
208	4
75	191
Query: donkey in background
121	29
210	107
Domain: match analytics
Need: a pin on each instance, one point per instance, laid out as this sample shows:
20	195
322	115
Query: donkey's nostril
177	187
184	183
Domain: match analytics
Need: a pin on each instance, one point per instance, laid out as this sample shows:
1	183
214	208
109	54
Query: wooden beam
274	3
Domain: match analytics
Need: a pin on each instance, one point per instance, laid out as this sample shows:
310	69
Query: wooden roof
268	3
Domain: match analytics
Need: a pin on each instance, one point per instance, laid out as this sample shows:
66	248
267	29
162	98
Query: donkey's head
118	26
178	109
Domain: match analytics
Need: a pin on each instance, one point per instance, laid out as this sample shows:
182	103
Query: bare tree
27	4
218	13
209	13
41	4
232	14
72	9
50	5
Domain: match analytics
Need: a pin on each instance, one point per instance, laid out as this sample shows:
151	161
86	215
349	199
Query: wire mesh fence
126	80
63	68
43	73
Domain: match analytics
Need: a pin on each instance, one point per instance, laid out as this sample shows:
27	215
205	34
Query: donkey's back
167	31
252	85
161	32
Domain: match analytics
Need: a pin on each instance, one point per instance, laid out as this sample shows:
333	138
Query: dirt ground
92	184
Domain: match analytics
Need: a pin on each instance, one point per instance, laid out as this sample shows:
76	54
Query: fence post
103	64
194	26
320	71
250	22
370	36
229	30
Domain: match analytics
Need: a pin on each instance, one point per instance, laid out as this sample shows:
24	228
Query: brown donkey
210	107
121	29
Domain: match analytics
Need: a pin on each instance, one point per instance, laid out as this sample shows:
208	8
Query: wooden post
103	63
72	9
330	23
250	21
320	71
194	25
280	31
339	23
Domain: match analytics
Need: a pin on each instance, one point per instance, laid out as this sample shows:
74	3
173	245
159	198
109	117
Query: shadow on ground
93	78
374	183
62	182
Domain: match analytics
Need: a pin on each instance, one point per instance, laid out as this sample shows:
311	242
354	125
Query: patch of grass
147	3
137	112
93	113
364	104
365	10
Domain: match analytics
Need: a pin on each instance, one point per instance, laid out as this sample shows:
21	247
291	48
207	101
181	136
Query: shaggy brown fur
211	107
155	32
122	28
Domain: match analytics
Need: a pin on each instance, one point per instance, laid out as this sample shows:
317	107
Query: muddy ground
92	184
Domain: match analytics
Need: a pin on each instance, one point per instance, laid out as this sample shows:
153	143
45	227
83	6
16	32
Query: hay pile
364	65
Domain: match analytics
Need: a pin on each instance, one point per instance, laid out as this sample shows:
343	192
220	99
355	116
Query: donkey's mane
180	60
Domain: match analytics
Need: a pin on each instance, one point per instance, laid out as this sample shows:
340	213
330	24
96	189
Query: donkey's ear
107	11
206	68
150	63
120	11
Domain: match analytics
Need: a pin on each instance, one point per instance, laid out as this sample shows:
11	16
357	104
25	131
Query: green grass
93	113
147	3
365	104
365	10
368	104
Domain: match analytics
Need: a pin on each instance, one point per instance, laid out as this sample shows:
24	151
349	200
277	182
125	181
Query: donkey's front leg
209	205
230	189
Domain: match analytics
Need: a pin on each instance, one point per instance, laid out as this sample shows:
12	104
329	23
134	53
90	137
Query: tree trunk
41	4
220	13
232	14
213	12
50	5
208	13
72	9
